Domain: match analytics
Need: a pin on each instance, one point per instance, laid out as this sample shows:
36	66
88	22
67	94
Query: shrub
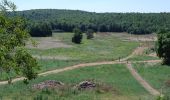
90	34
163	46
78	36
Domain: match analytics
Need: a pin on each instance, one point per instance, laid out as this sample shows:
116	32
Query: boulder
48	84
86	85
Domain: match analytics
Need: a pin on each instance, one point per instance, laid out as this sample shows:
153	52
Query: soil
131	37
152	55
47	43
52	57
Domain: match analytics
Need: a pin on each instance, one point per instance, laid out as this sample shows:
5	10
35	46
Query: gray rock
86	85
48	84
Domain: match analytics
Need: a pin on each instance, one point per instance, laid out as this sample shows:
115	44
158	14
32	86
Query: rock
48	84
86	85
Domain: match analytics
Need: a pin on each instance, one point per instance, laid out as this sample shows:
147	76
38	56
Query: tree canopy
40	30
67	20
13	37
163	46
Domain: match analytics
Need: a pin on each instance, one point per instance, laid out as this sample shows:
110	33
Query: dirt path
145	84
121	61
137	51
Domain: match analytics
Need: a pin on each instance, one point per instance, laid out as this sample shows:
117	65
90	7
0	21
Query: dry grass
47	43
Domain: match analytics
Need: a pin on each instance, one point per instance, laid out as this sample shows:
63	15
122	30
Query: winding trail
145	84
134	73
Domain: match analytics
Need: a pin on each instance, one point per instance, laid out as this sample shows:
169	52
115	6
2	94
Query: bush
78	36
90	34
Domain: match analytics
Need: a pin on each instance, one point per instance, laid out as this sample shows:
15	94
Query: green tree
78	36
13	37
40	30
163	46
90	34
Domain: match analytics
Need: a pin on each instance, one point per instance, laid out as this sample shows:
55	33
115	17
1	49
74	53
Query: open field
103	48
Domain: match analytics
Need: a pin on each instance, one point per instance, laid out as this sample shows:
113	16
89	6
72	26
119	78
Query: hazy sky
97	5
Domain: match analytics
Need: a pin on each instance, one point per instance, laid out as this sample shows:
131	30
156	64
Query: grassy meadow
101	48
121	85
156	74
116	82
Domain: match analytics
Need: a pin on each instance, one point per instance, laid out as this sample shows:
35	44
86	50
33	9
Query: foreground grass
101	48
46	65
157	75
116	76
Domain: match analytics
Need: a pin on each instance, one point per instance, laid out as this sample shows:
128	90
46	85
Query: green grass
116	76
46	65
101	48
142	58
156	75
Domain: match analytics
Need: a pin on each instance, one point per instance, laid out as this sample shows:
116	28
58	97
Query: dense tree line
67	20
40	30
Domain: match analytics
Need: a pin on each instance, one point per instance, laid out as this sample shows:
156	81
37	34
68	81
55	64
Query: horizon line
87	11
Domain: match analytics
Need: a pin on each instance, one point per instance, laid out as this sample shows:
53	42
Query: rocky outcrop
48	84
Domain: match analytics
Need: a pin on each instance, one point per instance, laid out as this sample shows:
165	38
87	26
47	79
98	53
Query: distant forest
67	20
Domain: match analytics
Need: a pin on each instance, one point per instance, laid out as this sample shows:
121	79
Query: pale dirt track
145	84
121	61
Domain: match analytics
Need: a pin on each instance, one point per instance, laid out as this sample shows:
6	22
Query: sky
145	6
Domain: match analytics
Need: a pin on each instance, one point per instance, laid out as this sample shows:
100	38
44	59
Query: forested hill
66	20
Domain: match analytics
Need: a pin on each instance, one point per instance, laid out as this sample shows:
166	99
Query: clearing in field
47	43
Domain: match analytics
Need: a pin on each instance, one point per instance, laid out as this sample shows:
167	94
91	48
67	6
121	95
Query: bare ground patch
52	57
153	54
139	38
47	43
139	50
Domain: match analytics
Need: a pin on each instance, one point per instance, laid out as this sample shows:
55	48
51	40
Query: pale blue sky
97	5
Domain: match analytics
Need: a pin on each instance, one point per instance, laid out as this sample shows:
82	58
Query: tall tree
13	37
163	46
